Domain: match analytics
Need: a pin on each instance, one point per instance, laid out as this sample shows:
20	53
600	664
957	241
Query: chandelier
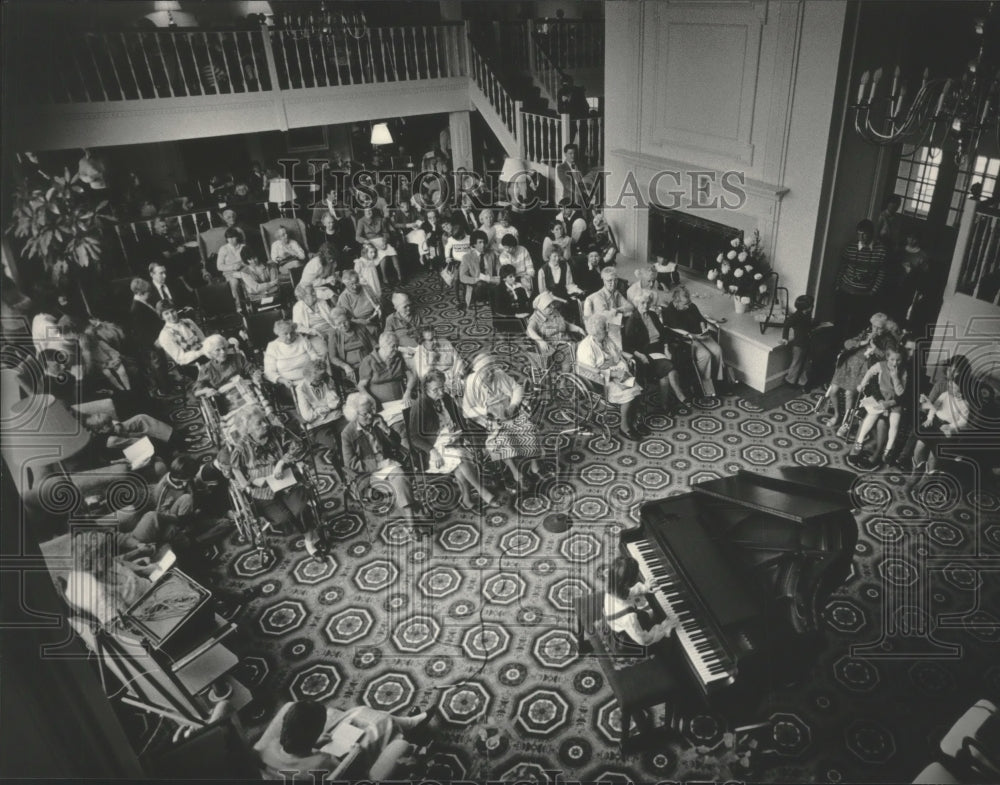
955	112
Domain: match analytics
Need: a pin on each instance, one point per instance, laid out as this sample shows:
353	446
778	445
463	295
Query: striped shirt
862	269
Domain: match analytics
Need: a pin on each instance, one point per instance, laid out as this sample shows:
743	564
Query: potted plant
60	224
739	271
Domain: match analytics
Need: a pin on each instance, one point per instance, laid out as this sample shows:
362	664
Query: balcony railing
541	138
348	56
548	74
573	43
172	63
491	86
979	276
132	65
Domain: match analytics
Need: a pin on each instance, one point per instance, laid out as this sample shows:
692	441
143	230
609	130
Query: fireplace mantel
757	188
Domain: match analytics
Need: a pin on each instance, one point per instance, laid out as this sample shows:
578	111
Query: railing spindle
97	68
114	67
437	49
128	58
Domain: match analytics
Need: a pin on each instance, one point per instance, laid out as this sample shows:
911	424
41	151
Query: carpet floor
477	619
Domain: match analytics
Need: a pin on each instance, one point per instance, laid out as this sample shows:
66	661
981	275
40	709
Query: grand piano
744	564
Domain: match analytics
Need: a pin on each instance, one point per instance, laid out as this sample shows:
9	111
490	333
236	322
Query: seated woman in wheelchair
493	400
265	451
375	453
551	333
348	345
644	335
600	360
312	315
435	353
437	428
684	315
225	362
881	387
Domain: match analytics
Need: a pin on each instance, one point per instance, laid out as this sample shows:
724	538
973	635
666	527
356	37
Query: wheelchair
218	409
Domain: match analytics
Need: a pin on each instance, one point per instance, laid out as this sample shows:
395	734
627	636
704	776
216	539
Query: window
985	170
915	180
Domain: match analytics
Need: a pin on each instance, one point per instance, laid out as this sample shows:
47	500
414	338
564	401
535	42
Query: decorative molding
768	191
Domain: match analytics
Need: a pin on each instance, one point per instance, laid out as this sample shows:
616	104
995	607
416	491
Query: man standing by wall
860	280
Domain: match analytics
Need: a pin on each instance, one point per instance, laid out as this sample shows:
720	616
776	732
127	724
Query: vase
739	306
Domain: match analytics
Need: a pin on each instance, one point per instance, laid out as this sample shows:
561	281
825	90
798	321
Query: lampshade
280	191
172	18
257	7
380	134
166	5
512	167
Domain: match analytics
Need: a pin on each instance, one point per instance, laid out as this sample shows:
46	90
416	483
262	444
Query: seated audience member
312	316
384	376
866	348
225	362
259	280
110	573
485	220
434	235
552	334
503	227
436	353
478	270
588	275
881	389
229	261
517	256
558	240
956	368
386	258
56	378
667	275
371	224
100	349
181	339
437	428
296	741
367	268
403	220
493	400
599	237
620	610
572	220
361	303
374	453
684	315
645	281
944	416
322	274
288	355
319	407
557	278
644	335
608	300
349	344
799	326
344	230
457	244
286	252
404	324
265	451
599	359
120	434
510	298
173	294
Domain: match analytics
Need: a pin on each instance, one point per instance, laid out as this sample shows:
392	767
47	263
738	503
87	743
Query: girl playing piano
622	597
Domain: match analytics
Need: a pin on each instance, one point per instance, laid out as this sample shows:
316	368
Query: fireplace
690	241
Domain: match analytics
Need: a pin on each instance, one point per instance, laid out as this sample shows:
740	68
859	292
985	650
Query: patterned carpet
476	619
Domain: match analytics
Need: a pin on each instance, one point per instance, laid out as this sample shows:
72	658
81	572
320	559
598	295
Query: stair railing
506	108
548	74
542	138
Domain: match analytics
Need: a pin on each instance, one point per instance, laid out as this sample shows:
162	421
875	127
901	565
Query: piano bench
643	685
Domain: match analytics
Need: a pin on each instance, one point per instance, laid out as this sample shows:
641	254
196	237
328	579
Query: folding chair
209	244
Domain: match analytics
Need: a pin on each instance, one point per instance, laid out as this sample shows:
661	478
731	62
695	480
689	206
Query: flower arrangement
740	270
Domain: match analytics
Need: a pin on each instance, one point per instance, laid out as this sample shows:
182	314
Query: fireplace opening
690	241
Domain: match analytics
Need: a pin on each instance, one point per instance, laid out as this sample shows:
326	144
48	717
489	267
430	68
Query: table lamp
380	134
280	191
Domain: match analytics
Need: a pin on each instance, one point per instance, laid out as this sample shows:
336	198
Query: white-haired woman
493	399
349	344
644	337
269	451
551	333
288	355
599	359
683	315
437	354
384	376
312	316
225	362
404	324
645	281
320	407
374	452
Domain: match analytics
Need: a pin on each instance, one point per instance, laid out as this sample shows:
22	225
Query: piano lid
793	498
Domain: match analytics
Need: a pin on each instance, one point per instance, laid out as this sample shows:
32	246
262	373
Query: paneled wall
723	109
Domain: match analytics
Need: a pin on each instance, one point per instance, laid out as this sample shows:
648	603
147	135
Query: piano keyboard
705	652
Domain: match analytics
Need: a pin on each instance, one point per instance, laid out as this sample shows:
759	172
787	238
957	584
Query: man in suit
372	453
146	325
161	291
571	177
